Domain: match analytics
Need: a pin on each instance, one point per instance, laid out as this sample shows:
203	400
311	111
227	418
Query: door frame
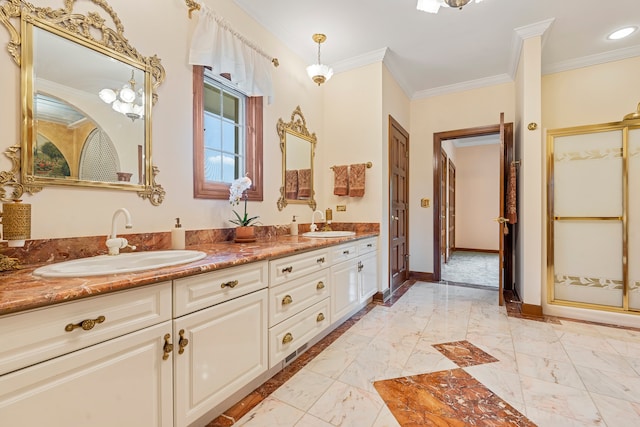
437	176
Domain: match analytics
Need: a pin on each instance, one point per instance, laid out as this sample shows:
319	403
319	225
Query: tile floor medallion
447	398
382	369
464	354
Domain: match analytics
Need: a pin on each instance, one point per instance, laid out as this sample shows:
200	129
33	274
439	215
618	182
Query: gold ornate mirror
87	96
298	150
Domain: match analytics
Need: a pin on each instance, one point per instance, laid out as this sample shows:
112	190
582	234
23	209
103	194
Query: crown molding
461	87
587	61
360	61
520	34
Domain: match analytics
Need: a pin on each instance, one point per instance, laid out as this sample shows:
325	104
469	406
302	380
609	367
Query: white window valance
215	44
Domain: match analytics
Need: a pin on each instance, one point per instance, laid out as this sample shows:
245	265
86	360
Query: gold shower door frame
624	127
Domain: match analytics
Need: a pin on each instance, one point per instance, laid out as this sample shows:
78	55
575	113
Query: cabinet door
368	276
344	289
122	382
227	349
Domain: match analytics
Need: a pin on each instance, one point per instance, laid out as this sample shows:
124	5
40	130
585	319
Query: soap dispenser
294	226
177	236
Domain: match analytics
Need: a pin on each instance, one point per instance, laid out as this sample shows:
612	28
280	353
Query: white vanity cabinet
355	279
220	334
113	369
299	303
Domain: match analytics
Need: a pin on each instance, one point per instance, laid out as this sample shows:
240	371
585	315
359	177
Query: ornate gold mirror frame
92	32
297	161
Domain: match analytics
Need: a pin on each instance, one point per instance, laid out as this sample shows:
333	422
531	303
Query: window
227	137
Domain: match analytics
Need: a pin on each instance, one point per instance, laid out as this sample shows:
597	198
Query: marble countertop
20	290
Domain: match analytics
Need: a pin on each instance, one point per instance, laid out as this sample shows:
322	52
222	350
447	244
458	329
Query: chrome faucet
115	243
314	227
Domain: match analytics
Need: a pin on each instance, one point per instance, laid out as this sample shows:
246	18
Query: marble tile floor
470	267
383	368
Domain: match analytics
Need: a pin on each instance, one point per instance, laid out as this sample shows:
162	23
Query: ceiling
431	54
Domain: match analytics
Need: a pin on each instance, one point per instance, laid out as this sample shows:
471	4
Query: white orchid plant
236	193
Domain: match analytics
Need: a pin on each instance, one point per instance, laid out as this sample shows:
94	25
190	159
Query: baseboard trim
489	251
382	296
421	276
531	310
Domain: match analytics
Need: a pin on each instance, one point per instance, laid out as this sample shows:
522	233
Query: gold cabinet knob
287	269
320	285
183	342
86	325
320	317
287	338
232	284
168	347
320	260
287	300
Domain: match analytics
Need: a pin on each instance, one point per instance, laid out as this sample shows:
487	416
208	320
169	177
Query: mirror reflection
88	119
298	149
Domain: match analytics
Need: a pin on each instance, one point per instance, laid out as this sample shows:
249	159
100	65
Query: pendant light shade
432	6
319	72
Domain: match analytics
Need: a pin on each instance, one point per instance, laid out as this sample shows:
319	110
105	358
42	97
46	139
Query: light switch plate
424	203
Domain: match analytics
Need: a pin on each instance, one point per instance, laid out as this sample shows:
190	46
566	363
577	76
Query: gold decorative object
183	342
287	338
298	145
86	325
633	116
532	126
7	263
16	221
94	37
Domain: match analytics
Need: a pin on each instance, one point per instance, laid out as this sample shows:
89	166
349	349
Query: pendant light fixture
432	6
124	100
319	72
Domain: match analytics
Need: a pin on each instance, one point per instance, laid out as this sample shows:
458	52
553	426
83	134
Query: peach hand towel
341	180
304	183
291	184
356	180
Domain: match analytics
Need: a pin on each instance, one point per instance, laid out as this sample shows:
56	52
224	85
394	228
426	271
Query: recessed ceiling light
622	33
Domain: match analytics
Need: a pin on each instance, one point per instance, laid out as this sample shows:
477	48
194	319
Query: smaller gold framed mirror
298	151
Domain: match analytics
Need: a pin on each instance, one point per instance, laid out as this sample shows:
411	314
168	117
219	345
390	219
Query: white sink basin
327	234
123	263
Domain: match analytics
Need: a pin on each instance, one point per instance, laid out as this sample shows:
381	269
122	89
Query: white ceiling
430	54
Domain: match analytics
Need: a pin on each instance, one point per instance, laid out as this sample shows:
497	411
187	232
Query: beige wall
478	107
477	196
63	212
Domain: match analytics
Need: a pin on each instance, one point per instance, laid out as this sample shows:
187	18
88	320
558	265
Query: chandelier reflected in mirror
126	100
432	6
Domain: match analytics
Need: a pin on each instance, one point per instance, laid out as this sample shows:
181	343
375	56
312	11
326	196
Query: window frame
203	189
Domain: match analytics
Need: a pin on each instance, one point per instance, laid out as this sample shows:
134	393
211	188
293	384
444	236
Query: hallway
475	268
554	373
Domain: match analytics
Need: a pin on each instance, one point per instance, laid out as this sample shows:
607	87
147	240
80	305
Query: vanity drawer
284	269
344	252
294	296
37	335
204	290
288	336
367	245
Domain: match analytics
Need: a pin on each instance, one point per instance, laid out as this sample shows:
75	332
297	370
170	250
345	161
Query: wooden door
451	212
398	204
443	207
505	232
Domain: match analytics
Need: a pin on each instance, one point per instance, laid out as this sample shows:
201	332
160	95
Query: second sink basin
327	234
123	263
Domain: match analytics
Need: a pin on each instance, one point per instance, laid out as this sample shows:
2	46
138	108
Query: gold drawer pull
85	324
287	269
287	338
320	317
345	252
320	260
168	347
287	300
232	284
183	342
369	245
320	285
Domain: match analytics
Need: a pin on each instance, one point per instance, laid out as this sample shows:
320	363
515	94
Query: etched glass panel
588	262
633	217
588	175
